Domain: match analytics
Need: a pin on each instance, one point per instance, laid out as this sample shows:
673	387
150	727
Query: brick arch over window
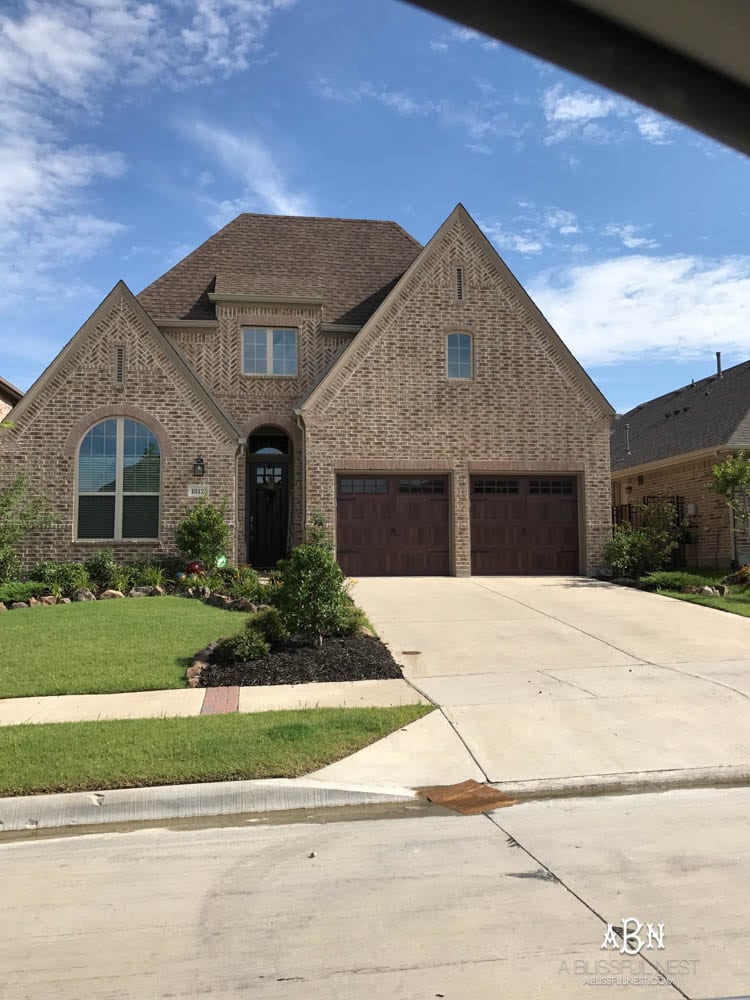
81	427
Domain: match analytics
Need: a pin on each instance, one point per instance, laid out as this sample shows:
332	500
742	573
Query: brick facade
387	403
710	526
81	392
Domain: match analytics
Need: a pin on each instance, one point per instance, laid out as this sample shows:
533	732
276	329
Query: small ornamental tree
731	480
23	510
312	597
634	551
204	534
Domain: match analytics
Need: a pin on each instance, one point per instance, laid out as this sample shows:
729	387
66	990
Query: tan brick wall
46	436
709	527
254	401
391	405
5	407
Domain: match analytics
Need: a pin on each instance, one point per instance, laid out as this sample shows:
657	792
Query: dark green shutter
140	516
96	516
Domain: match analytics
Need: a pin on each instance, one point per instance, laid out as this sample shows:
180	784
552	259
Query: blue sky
130	131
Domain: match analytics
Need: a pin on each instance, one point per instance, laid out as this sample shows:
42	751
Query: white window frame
460	378
119	493
269	372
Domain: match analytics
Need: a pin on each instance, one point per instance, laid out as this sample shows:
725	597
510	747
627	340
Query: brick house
9	396
668	446
414	396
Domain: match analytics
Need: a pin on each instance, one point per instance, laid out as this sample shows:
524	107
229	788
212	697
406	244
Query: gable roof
712	412
10	391
177	360
349	265
358	346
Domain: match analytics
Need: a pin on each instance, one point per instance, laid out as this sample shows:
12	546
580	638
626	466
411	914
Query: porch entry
267	497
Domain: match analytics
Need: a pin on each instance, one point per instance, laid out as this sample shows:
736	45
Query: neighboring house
414	396
668	446
9	396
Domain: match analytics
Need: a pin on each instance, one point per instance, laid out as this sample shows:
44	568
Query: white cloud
532	230
598	118
249	159
461	36
62	60
628	235
642	306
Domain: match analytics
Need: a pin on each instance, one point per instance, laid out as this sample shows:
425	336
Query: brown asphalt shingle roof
348	264
711	413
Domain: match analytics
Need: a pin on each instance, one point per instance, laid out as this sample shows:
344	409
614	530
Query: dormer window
269	351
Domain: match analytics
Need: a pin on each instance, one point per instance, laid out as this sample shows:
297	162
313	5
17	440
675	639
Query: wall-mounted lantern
199	467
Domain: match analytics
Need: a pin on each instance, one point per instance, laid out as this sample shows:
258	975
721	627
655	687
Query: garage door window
364	485
548	486
421	486
496	486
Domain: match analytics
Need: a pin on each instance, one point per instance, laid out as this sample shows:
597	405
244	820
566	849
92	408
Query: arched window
119	469
459	355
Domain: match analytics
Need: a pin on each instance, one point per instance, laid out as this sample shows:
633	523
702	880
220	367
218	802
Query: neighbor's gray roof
9	390
711	413
347	264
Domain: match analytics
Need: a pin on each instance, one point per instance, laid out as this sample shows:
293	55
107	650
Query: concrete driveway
545	678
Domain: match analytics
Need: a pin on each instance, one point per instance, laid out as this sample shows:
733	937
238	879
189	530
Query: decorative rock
33	602
158	591
204	593
84	594
707	591
64	600
722	589
191	592
48	599
2	607
17	605
139	592
110	595
244	604
220	601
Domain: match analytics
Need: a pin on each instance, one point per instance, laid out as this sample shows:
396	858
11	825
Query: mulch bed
358	658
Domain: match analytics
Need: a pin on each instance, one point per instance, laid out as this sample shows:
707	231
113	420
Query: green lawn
70	756
738	603
140	644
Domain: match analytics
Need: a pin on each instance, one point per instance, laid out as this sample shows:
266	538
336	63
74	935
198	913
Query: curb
629	783
167	802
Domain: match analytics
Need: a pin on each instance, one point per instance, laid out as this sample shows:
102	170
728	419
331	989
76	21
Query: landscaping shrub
672	580
21	592
740	576
79	577
249	644
312	597
148	575
101	569
204	534
61	575
245	583
270	623
317	533
353	620
633	552
121	578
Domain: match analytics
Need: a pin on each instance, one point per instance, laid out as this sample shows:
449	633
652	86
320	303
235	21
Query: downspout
303	451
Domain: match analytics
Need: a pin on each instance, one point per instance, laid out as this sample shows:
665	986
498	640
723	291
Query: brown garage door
393	525
524	525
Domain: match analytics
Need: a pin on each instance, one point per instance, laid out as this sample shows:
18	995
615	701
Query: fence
631	513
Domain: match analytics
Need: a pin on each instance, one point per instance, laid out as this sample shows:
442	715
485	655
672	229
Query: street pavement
543	678
412	906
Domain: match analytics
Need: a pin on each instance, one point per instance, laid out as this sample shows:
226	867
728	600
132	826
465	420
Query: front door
268	511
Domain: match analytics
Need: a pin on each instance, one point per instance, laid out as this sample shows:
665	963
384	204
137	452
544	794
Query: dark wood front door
393	525
268	511
524	526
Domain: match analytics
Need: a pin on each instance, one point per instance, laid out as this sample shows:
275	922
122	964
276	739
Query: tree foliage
635	550
23	510
204	534
731	480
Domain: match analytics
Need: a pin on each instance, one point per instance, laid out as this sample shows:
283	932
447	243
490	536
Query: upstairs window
119	472
459	355
269	351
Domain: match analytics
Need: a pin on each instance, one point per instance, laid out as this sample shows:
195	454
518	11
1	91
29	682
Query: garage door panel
402	530
524	526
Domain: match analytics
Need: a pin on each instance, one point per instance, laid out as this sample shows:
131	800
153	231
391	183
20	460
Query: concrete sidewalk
207	701
556	679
